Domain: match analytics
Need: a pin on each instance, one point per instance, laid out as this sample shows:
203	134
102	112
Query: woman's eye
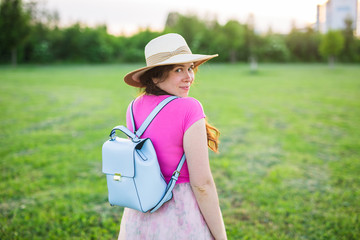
191	69
178	70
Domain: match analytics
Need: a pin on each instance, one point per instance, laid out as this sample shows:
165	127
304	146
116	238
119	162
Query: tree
331	45
172	19
349	53
202	35
303	44
189	26
14	27
134	45
252	43
274	48
234	33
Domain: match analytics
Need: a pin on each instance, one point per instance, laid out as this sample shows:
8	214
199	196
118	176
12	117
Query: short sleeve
128	119
194	112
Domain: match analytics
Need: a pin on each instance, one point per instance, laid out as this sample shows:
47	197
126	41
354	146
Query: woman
194	211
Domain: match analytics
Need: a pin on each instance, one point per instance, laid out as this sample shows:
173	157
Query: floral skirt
179	218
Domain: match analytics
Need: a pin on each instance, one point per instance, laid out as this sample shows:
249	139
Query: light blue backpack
132	170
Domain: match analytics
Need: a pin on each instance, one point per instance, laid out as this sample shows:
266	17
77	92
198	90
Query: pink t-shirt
167	129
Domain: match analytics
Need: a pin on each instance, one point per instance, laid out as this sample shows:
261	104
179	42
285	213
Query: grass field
288	169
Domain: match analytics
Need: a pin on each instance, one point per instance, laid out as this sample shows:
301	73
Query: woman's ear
155	80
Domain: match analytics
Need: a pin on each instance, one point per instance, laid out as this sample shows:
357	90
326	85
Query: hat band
162	56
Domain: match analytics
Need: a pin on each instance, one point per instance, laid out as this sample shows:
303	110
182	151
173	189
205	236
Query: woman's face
178	80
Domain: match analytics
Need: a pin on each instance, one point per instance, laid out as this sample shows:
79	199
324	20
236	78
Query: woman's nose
188	77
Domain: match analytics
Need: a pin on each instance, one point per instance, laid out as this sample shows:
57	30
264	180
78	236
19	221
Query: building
332	15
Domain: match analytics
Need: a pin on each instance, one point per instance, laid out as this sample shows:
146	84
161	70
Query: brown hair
149	87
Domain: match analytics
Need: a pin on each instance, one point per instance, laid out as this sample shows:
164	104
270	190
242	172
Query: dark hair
161	73
149	87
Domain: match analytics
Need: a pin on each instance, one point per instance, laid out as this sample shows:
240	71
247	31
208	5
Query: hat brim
133	78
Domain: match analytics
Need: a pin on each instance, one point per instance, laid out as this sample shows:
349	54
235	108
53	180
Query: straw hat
167	49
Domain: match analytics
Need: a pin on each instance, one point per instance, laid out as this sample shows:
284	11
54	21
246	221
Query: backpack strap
151	116
168	194
132	115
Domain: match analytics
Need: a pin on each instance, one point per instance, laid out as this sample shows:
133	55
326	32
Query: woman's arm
201	180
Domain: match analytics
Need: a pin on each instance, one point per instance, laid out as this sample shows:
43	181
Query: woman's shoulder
188	100
181	103
188	105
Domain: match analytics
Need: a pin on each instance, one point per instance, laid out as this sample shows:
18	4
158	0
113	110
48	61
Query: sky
127	16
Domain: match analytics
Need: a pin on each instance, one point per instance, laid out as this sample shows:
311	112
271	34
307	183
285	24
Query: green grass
288	168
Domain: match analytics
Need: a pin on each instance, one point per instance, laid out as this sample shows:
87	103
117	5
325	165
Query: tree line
31	35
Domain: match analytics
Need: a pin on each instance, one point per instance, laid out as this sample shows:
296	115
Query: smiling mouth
186	87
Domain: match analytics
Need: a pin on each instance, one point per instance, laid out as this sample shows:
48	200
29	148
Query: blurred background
116	31
284	92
